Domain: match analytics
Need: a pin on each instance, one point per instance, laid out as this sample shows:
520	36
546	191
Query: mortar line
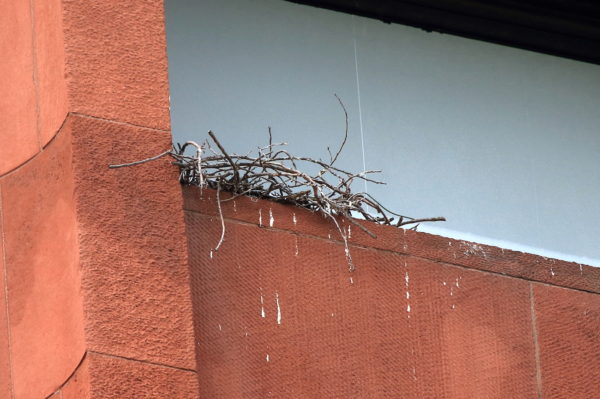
365	247
34	156
5	289
117	122
142	361
536	344
35	77
66	381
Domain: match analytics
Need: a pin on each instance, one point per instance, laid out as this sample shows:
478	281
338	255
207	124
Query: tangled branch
275	174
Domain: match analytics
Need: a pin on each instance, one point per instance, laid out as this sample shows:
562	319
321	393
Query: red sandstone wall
277	314
95	298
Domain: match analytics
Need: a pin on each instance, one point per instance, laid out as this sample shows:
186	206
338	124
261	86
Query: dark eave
563	28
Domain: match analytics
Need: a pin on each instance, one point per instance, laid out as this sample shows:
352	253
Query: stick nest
275	174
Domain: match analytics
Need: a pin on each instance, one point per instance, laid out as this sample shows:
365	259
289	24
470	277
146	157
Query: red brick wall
278	314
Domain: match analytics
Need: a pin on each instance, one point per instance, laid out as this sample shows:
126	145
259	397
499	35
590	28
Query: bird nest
273	173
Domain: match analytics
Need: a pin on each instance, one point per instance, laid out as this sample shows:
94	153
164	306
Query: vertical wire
362	135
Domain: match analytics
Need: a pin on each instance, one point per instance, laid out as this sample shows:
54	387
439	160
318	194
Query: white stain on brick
278	308
262	305
294	218
271	218
260	217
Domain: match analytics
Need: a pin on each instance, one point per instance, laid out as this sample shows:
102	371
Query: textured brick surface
126	379
50	61
18	126
4	343
277	314
133	245
569	341
41	253
78	386
463	253
116	60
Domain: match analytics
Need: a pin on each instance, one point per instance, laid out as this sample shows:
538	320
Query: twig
168	152
220	216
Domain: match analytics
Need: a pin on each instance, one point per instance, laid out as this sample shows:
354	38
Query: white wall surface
503	142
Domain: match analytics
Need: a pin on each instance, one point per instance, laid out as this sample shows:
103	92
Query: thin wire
362	136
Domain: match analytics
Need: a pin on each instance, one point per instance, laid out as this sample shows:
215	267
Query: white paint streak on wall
271	218
278	308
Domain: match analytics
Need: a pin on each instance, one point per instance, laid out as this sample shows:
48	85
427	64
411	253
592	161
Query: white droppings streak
268	358
260	217
220	328
294	219
332	314
351	280
414	373
262	305
580	268
234	206
407	295
552	272
451	291
444	283
406	278
349	231
278	308
457	283
453	306
271	218
408	308
296	247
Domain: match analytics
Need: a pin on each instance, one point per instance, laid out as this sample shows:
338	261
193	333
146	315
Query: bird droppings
271	218
234	206
552	272
473	249
349	231
262	305
351	280
220	328
211	254
267	358
260	217
294	220
278	308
